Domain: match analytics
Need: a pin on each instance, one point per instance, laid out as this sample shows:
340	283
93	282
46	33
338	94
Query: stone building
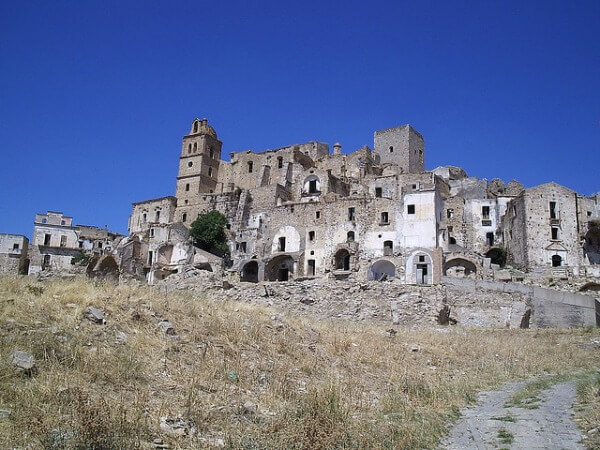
13	253
303	211
56	242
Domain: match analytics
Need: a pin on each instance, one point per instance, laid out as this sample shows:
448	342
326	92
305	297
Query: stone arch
342	259
590	286
460	267
591	246
419	267
382	269
497	256
280	268
311	185
103	266
249	272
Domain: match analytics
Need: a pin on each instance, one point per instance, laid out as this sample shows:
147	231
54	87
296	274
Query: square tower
403	146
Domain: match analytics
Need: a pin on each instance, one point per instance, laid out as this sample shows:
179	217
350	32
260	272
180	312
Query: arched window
388	248
189	148
312	185
195	146
350	236
196	126
210	171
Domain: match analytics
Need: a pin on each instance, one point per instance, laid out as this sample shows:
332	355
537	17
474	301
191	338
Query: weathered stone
23	360
95	315
166	327
120	338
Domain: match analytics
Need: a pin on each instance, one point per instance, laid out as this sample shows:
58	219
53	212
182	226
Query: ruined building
303	211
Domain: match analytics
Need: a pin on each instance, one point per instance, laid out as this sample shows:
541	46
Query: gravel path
491	425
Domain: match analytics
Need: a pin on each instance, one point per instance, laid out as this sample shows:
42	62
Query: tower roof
201	126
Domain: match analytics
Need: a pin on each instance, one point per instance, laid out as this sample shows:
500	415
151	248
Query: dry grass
241	374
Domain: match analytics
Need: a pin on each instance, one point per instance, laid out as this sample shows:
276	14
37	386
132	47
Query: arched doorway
382	270
497	255
419	268
342	260
460	268
249	272
556	260
280	268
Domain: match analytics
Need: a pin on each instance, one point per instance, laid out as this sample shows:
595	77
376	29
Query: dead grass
587	412
243	374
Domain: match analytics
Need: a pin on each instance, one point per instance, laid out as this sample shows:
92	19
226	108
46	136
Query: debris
166	327
95	315
23	361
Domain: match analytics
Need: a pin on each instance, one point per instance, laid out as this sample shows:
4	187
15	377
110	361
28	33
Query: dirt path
545	424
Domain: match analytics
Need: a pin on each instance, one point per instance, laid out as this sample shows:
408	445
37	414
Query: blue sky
95	96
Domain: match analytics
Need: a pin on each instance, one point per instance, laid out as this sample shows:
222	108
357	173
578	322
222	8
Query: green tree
208	232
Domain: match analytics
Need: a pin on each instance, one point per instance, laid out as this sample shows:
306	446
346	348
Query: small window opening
280	162
350	236
150	257
556	261
553	210
210	171
414	186
187	187
449	213
157	216
189	148
196	127
388	248
44	220
589	214
99	244
144	217
312	252
62	222
554	233
385	217
151	232
312	186
421	258
15	246
318	214
47	239
452	240
311	235
190	164
485	212
80	244
311	268
243	247
184	217
411	209
250	166
63	241
195	146
378	192
211	152
391	149
489	239
351	213
282	244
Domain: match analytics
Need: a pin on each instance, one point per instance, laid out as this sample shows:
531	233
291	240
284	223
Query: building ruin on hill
303	211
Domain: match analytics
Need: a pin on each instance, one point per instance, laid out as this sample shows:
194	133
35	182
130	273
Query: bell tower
199	162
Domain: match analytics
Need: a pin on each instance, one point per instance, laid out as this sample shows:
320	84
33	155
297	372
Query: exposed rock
23	361
5	413
95	315
166	327
120	338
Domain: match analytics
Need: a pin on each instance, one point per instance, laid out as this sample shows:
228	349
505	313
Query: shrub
208	232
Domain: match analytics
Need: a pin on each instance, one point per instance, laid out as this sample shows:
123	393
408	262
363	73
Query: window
449	213
196	127
556	261
190	164
195	146
350	213
312	186
312	252
15	246
243	247
489	239
189	148
378	192
80	244
157	216
210	170
150	257
452	240
47	239
144	217
554	233
63	241
311	268
350	236
414	186
151	232
388	248
553	210
46	262
187	187
311	235
391	149
282	244
411	209
211	152
485	212
250	166
99	244
62	222
184	217
280	162
421	258
385	217
318	214
589	214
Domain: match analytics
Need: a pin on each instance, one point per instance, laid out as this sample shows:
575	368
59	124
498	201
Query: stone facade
303	212
13	253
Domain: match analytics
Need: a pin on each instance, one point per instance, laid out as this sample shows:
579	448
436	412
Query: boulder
166	327
94	315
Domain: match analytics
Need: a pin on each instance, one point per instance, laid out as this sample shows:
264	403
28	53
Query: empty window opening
553	210
63	241
589	214
46	262
421	258
485	212
312	252
47	239
44	220
489	239
554	233
150	257
414	186
243	247
391	149
15	246
211	152
250	166
385	217
99	244
350	236
410	209
151	232
311	235
144	217
449	213
342	260
556	261
195	127
452	240
157	216
189	148
195	146
388	248
311	268
378	192
318	214
280	162
62	222
312	186
351	213
210	171
190	164
187	187
281	244
184	217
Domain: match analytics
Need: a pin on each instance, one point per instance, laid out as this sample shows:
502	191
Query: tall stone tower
198	163
403	146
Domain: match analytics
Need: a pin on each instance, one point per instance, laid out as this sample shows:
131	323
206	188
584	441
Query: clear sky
96	96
